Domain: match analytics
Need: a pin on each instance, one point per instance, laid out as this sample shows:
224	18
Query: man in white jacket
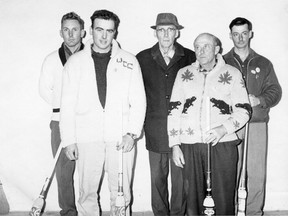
72	31
102	111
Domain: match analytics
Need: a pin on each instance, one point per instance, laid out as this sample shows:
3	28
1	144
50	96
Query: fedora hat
167	19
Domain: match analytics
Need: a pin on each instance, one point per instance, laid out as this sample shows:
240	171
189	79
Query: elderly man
159	66
211	104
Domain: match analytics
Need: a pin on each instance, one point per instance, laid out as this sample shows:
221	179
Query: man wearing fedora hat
159	65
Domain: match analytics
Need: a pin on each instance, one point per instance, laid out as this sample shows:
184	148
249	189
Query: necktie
167	59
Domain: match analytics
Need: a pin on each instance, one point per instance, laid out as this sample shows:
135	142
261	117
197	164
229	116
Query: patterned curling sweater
219	94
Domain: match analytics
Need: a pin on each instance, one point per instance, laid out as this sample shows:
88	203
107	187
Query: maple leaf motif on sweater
236	124
225	78
173	132
187	76
190	131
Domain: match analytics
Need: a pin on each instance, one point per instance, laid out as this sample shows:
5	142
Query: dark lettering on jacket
125	63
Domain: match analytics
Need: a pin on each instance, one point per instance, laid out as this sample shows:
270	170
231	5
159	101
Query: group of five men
103	95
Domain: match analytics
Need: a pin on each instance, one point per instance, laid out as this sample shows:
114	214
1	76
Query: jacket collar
231	53
62	55
219	64
155	51
157	55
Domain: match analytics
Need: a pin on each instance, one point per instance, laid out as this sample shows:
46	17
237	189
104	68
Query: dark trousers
159	168
224	158
64	175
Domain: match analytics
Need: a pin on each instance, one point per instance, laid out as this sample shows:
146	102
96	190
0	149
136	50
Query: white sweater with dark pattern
202	100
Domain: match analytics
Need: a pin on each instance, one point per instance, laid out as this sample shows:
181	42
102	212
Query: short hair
216	40
106	15
73	16
240	21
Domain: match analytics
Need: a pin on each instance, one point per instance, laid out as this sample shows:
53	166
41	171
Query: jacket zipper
246	78
201	108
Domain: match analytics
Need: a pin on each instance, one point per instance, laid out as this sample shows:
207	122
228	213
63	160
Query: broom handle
120	172
208	119
53	165
242	193
209	188
244	163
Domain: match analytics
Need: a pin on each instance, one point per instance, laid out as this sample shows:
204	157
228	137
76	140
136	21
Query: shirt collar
68	52
170	53
201	69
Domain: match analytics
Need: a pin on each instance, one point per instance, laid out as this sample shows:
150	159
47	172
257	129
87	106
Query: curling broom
208	203
4	205
120	200
242	193
40	201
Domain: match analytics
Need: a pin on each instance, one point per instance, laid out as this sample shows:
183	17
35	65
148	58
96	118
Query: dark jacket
261	81
158	80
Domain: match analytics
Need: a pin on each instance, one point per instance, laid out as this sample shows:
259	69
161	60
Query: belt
56	110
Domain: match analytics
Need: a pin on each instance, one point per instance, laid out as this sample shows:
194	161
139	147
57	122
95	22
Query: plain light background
29	30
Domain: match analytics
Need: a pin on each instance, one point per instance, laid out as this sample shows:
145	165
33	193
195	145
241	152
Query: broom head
37	207
120	205
209	206
4	205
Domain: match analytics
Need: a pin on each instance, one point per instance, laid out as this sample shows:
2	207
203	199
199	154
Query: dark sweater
101	61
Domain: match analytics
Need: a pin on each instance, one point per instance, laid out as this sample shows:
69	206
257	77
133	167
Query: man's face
205	50
103	32
240	35
166	35
71	33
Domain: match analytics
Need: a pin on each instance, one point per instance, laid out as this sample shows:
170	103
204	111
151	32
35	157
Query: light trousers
94	158
256	167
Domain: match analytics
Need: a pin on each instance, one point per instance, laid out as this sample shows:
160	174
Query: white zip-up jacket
50	82
82	117
203	100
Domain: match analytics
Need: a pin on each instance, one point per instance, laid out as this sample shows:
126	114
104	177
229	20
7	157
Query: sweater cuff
262	102
229	127
67	143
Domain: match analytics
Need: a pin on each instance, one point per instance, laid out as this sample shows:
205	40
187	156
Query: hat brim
177	26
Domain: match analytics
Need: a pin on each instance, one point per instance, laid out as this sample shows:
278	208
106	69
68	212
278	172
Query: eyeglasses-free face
103	32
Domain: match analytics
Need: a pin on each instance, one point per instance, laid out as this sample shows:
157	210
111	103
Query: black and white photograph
142	107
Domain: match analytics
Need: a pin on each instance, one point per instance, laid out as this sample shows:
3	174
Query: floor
268	213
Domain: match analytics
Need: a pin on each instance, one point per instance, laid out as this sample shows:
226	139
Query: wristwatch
133	136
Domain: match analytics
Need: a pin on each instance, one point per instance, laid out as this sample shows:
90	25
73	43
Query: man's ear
61	35
230	35
217	49
251	34
177	34
83	33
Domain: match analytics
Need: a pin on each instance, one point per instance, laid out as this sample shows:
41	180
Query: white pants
92	158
